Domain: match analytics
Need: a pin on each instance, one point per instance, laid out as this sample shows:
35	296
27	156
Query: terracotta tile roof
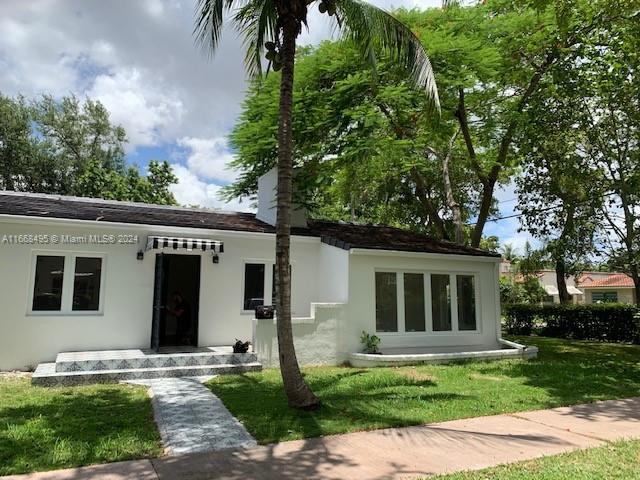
339	234
619	280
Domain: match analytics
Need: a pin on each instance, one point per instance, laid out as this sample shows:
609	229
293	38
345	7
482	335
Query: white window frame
453	285
66	306
268	281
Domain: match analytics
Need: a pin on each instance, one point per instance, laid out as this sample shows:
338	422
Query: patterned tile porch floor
137	353
191	419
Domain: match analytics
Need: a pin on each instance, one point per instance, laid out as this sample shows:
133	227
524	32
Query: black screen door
158	301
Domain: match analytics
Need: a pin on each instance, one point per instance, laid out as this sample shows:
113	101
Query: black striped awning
158	243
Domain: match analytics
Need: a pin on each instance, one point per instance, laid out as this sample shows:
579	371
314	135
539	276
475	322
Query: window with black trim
86	284
48	284
253	285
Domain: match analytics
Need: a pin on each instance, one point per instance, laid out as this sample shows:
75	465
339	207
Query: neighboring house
548	281
589	287
600	287
84	274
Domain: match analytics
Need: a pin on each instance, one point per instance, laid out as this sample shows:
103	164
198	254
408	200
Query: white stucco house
83	274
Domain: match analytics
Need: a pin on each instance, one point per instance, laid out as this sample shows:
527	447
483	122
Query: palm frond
450	3
209	22
372	29
256	21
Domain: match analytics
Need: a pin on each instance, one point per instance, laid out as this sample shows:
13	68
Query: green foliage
70	147
603	322
528	291
99	182
369	342
581	172
372	152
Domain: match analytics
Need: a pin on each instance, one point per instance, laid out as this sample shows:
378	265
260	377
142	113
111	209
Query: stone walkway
394	453
191	419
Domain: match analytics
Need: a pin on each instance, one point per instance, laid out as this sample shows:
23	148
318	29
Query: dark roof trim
346	236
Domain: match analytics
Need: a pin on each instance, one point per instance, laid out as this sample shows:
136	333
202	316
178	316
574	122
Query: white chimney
267	200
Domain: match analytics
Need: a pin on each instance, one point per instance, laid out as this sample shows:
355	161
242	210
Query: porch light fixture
140	255
215	258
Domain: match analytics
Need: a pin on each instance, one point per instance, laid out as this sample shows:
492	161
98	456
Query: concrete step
47	376
147	359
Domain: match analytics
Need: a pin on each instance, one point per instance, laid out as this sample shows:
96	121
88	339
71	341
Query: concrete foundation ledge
512	350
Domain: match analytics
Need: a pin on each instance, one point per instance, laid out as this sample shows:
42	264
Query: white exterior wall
320	273
267	201
361	308
315	337
125	322
333	274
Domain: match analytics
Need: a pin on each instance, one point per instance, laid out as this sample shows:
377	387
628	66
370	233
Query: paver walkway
394	453
191	419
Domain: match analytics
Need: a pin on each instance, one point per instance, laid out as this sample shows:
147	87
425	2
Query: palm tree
271	27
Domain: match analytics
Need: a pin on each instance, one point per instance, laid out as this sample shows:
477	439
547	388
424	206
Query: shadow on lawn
67	427
351	400
575	372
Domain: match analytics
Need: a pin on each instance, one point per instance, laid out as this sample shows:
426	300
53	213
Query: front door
176	298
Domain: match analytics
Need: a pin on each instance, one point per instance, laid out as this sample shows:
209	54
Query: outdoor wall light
215	258
140	255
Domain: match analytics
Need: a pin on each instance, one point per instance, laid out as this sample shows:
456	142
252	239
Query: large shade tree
271	28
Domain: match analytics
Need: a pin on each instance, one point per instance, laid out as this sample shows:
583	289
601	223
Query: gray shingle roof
339	234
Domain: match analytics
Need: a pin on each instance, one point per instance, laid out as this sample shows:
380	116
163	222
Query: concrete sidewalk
396	452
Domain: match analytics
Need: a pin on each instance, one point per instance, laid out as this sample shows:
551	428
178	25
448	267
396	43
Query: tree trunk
430	210
561	280
448	188
485	208
298	393
635	276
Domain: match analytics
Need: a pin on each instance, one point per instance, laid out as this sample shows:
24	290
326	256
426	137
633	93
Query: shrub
369	342
604	322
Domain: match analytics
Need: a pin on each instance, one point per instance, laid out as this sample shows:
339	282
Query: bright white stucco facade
333	286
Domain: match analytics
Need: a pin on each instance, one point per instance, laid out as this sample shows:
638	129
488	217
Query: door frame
161	279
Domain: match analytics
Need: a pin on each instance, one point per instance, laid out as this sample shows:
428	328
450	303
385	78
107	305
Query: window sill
65	314
429	334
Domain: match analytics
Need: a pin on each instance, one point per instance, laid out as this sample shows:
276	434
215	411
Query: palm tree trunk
298	392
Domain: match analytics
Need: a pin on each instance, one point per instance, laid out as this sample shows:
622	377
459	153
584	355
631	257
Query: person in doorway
181	311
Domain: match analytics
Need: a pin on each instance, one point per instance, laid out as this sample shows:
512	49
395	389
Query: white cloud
190	190
143	108
209	158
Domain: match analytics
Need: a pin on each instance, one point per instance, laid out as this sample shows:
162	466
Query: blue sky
139	59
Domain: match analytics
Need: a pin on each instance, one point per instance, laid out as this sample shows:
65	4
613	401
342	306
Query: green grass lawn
619	460
566	373
51	428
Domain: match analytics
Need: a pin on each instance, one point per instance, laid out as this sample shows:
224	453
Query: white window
466	302
68	283
254	280
414	303
259	278
386	302
441	302
408	302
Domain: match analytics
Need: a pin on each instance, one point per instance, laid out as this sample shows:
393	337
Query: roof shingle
343	235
